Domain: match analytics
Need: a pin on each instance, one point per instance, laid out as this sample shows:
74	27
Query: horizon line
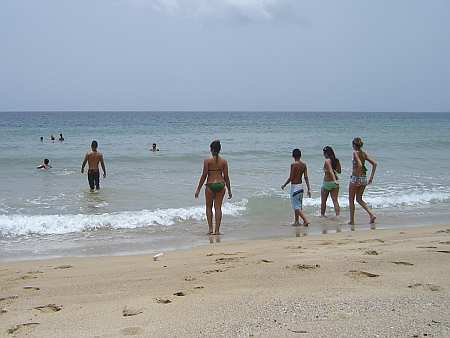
218	111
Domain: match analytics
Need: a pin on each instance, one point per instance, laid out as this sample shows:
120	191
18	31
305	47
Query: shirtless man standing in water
94	158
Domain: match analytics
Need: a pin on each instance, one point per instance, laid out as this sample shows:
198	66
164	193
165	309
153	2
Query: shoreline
395	280
112	243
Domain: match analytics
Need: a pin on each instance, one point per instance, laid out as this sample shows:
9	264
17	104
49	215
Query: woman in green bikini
215	172
330	185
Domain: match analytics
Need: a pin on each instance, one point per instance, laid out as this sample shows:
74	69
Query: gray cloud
248	10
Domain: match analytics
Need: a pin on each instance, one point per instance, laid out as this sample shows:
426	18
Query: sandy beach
386	283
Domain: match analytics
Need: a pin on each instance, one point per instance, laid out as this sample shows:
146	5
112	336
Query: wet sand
385	283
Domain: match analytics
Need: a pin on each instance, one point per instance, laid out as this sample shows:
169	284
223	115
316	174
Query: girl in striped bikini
358	180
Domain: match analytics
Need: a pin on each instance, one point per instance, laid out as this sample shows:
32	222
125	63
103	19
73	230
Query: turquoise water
147	198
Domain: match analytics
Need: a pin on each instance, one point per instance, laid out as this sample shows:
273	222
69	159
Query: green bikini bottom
329	186
216	187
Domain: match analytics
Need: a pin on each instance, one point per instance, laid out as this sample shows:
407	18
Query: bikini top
355	164
334	171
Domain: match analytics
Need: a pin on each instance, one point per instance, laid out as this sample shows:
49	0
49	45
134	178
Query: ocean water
147	200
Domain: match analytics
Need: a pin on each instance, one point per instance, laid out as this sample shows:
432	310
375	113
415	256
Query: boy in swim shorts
298	171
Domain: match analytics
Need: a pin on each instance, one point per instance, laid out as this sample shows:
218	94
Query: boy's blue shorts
297	196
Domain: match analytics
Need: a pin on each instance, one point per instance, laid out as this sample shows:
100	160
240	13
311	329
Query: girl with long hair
330	186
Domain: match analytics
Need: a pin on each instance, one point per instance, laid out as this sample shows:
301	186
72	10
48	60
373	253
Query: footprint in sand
128	312
443	251
199	287
163	300
445	231
371	252
298	331
225	260
224	253
403	263
132	331
20	327
189	278
265	261
179	294
303	267
446	242
8	298
294	247
208	272
361	274
49	308
371	240
25	277
34	288
326	243
62	267
429	287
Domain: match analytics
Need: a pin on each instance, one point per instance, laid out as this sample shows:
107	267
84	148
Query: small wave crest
376	200
16	225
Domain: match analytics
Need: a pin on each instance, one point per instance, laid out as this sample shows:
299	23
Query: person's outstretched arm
84	163
102	162
289	178
305	175
374	167
227	179
202	178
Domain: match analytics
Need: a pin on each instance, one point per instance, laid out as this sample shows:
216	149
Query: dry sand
386	283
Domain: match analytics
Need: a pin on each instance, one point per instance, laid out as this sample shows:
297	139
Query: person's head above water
215	147
94	145
296	154
357	143
46	161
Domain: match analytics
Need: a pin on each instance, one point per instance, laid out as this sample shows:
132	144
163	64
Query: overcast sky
337	55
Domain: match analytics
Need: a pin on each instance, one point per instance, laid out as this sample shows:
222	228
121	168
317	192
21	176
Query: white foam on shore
13	225
377	200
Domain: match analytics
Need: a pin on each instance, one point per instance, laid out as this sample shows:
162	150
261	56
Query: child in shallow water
298	170
45	165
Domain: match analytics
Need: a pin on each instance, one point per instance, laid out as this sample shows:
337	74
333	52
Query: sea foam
159	219
377	200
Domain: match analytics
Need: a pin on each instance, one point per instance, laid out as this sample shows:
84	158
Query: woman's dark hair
296	153
358	142
215	147
329	153
46	161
